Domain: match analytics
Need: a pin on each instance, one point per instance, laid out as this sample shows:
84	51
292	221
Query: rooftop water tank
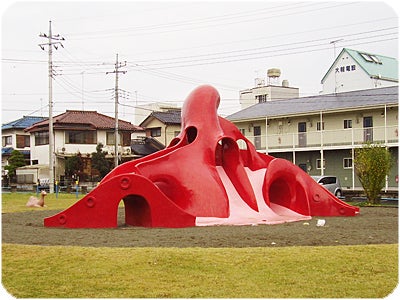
274	72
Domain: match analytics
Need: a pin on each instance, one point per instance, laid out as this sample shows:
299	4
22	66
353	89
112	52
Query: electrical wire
149	29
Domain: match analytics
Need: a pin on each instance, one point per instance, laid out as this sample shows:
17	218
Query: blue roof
22	123
8	150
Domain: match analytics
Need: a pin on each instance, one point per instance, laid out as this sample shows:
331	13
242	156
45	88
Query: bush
372	164
100	162
15	161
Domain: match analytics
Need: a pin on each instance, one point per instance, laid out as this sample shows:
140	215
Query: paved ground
374	225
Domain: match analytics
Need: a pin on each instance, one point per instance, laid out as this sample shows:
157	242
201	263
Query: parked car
331	183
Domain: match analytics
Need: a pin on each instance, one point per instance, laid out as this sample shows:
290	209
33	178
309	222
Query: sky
167	48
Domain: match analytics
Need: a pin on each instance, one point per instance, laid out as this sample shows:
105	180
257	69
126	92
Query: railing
327	138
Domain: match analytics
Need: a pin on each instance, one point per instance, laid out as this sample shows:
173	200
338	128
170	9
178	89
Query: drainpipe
266	135
387	148
385	115
352	158
322	143
165	135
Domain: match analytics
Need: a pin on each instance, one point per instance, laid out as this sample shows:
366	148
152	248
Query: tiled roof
84	119
22	123
315	104
167	117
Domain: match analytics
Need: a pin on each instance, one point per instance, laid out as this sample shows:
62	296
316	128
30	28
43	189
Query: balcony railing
326	138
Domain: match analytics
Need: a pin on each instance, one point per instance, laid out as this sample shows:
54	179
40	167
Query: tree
372	163
74	165
15	161
99	161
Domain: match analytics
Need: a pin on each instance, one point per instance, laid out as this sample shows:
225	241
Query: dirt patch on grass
374	225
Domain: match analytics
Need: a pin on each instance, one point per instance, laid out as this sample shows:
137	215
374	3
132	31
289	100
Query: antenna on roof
334	57
334	46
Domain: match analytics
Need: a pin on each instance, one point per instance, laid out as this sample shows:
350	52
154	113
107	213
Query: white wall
352	78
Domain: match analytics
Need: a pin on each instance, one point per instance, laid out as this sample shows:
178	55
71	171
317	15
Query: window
81	137
154	132
303	167
261	98
110	138
41	138
319	126
124	138
257	130
347	124
7	140
371	58
23	141
347	163
366	57
319	164
375	59
353	67
242	131
327	180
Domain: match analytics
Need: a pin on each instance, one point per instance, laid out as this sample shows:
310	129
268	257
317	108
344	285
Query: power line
150	63
169	27
227	55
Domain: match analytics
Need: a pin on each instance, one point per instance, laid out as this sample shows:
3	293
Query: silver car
331	183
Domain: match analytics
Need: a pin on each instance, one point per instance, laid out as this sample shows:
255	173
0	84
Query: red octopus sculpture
203	178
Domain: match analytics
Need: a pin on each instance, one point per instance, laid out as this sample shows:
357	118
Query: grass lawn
35	271
313	272
16	202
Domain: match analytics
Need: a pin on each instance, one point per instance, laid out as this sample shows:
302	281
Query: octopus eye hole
191	134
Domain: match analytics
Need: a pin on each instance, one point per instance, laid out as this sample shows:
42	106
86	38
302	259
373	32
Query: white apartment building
320	133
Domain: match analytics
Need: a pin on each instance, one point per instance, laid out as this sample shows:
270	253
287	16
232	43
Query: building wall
273	93
40	153
283	132
347	75
334	166
279	137
167	132
13	134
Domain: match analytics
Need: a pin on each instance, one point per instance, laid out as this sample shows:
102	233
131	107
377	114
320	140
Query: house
79	132
15	138
142	111
163	125
358	70
320	133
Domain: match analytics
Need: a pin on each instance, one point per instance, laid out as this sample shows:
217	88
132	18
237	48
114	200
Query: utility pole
117	70
53	41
